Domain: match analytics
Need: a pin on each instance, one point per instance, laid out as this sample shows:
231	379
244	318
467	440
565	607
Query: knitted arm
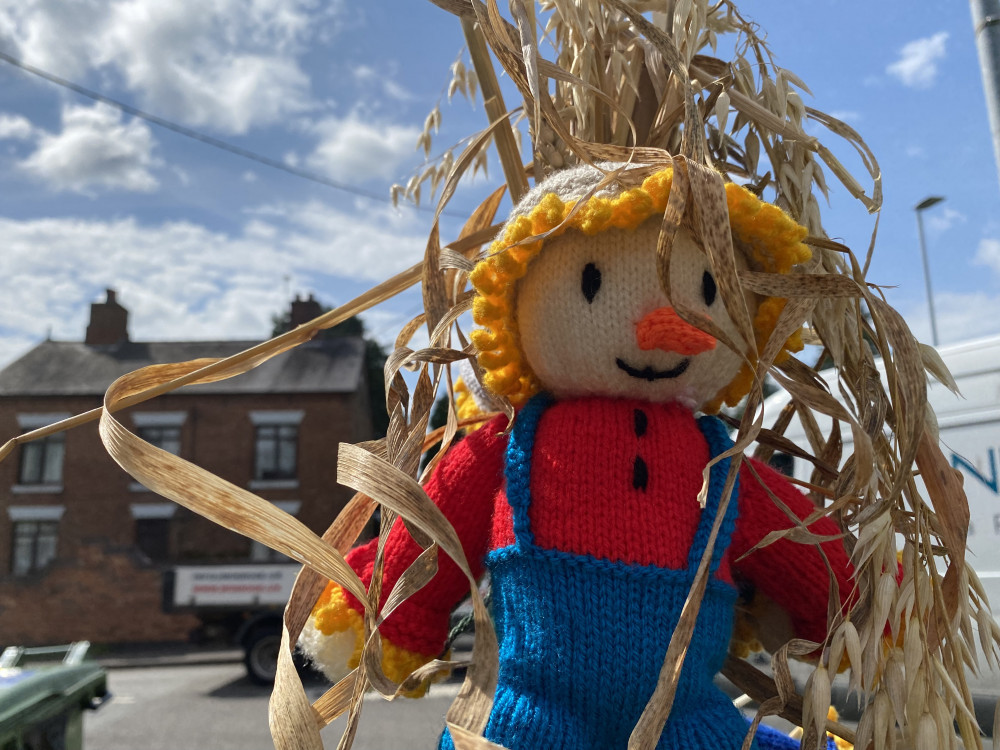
463	486
791	574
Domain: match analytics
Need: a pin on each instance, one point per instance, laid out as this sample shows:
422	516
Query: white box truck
969	431
969	428
240	603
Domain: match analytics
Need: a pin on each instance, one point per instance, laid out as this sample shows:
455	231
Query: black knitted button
640	474
641	422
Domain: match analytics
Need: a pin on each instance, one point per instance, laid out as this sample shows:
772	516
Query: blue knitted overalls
582	639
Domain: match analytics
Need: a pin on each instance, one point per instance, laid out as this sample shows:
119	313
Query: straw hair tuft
643	83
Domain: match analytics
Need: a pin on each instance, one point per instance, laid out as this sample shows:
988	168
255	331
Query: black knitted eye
591	281
708	288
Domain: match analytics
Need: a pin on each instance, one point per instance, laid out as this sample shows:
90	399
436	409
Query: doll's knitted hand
333	638
463	486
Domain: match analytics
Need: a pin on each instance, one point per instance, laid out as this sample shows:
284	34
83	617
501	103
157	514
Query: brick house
83	547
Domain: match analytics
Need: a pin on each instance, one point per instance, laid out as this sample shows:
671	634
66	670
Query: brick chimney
108	322
304	310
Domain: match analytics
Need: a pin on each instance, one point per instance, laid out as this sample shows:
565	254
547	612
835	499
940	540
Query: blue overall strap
718	442
517	466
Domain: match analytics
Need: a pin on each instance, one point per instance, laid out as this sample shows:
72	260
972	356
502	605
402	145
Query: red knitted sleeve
790	573
463	486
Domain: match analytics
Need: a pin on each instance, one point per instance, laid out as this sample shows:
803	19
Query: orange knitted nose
664	329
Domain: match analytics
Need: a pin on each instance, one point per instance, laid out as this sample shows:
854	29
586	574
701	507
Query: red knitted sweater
617	480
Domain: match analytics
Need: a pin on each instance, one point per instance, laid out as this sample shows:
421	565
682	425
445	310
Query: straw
692	84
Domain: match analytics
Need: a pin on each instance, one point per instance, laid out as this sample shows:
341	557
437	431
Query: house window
161	429
35	536
167	438
276	448
42	461
34	546
152	529
276	451
261	552
152	538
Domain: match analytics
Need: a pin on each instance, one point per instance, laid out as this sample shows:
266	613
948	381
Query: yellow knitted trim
465	405
840	742
832	715
744	641
333	614
398	663
772	238
763	324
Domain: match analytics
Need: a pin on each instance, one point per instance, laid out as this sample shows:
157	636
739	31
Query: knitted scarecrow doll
586	510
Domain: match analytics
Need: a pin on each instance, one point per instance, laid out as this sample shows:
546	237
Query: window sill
36	489
274	484
29	577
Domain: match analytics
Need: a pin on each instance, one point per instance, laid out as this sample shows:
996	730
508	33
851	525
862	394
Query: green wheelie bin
41	705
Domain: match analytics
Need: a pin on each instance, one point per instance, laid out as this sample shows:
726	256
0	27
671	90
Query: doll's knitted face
593	319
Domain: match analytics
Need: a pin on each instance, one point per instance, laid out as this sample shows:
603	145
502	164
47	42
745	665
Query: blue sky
203	244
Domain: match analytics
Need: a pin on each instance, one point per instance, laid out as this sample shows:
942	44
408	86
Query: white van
970	439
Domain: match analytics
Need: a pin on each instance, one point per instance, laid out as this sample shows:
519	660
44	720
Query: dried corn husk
642	82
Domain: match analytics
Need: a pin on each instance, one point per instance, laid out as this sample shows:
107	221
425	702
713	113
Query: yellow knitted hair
770	237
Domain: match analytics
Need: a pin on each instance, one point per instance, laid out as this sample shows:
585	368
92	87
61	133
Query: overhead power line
207	139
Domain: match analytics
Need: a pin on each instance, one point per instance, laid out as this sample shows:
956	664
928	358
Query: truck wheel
260	655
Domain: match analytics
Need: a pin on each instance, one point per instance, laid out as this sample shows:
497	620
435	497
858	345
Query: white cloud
181	280
847	115
182	175
988	254
959	316
95	150
50	34
942	220
364	75
384	325
371	243
226	64
917	63
354	148
15	127
369	78
395	91
213	63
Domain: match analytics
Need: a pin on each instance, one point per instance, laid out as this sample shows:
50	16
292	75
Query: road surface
214	707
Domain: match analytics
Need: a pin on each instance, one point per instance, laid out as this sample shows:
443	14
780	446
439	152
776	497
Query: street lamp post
925	204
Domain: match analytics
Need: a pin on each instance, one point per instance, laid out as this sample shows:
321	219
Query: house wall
100	587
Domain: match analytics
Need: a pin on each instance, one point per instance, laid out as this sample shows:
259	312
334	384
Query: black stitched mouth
648	373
